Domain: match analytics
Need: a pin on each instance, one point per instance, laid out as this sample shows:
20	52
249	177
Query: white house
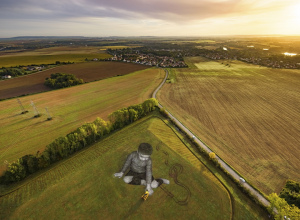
6	77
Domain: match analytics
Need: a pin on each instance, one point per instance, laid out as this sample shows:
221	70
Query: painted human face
143	157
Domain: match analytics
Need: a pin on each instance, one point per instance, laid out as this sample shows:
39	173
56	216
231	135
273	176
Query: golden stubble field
248	115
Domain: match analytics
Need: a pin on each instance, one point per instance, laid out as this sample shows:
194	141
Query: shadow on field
134	208
12	116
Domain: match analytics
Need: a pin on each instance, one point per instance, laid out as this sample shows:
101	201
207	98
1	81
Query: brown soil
89	72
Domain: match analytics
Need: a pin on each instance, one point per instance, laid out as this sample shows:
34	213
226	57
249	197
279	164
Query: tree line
78	139
12	72
291	193
62	80
284	210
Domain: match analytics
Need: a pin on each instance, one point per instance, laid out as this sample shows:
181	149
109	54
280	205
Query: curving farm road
253	191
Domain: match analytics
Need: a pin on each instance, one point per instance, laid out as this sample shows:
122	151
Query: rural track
235	175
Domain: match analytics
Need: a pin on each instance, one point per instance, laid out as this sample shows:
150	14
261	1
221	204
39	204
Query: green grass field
70	108
23	60
83	186
247	114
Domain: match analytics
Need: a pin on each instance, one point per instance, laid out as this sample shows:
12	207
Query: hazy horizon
133	18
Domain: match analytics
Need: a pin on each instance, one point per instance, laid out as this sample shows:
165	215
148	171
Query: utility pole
36	112
22	107
49	116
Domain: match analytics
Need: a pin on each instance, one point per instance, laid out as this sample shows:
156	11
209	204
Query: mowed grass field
83	186
94	50
24	60
248	115
22	134
50	55
88	71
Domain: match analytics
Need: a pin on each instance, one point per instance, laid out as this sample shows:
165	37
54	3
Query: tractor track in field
174	171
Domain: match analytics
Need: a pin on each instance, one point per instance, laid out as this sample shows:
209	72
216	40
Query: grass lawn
83	186
247	114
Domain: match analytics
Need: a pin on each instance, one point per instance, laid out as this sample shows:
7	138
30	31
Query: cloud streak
168	10
137	14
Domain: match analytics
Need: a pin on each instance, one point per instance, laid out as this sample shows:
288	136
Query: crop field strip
246	107
79	161
88	71
61	50
97	99
12	61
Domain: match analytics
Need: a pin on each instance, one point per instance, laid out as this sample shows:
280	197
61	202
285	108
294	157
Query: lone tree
212	155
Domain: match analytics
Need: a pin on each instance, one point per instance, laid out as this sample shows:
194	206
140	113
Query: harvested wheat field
88	71
248	115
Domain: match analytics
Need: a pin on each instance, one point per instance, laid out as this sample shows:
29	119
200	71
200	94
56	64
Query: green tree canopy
61	80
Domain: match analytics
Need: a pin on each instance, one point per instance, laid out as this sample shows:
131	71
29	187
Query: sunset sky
96	18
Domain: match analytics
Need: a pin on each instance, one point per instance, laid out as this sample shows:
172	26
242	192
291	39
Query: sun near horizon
140	18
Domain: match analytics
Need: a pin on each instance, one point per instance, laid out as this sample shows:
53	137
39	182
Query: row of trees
291	193
283	209
62	80
82	137
14	72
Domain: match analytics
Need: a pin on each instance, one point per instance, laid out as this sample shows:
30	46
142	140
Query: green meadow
11	61
83	186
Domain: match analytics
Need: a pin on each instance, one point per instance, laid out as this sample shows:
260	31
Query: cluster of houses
27	68
150	60
35	68
270	63
6	77
255	60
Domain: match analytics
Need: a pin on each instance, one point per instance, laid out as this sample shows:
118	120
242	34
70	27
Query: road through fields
236	176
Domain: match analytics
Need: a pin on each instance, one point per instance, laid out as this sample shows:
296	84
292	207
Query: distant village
263	61
8	73
149	59
166	59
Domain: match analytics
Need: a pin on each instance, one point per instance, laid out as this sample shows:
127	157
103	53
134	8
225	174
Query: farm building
6	77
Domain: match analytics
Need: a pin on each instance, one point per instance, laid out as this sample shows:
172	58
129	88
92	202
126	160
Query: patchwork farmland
248	115
88	71
203	192
70	108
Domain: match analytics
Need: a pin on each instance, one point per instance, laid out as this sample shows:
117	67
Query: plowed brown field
248	115
90	71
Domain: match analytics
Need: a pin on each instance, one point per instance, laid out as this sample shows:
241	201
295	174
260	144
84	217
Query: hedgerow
82	137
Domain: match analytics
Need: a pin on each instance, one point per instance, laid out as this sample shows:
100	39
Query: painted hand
149	189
